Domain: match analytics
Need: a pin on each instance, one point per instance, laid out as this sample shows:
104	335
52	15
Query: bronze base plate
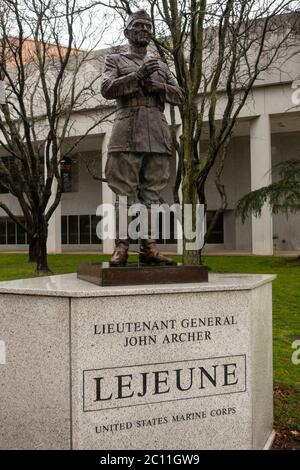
133	274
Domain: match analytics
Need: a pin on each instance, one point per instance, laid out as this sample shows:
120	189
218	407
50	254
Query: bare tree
47	83
219	49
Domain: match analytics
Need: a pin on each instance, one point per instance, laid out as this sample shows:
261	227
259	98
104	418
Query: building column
54	224
108	197
261	163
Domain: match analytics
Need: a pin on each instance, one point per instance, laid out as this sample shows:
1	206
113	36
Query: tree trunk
41	259
32	252
189	193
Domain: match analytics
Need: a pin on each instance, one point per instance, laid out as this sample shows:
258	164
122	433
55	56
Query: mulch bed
287	441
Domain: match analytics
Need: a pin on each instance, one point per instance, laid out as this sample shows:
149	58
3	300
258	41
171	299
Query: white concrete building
267	132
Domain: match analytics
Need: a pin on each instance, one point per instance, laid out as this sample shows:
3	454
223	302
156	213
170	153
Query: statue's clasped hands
148	67
144	73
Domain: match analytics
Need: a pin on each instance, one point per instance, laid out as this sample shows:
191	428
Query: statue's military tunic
137	166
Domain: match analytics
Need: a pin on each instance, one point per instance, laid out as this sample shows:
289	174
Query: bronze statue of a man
139	150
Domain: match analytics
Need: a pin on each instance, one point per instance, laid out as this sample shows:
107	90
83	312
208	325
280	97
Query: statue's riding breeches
139	176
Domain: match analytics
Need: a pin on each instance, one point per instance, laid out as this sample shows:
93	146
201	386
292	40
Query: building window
84	229
163	219
73	229
11	233
2	231
161	239
64	230
14	170
217	234
4	188
4	185
79	229
21	236
69	174
94	222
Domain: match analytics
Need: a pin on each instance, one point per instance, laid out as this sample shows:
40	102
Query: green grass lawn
286	313
286	327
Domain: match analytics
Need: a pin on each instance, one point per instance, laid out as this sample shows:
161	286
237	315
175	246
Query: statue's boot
120	254
150	255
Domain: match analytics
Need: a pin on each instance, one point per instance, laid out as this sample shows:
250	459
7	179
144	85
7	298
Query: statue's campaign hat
138	15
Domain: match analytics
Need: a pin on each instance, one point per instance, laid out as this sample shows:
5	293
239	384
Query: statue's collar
136	57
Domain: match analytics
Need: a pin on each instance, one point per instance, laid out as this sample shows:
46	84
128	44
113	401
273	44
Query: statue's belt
148	101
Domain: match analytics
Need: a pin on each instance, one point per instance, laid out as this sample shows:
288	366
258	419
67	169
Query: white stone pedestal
147	367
